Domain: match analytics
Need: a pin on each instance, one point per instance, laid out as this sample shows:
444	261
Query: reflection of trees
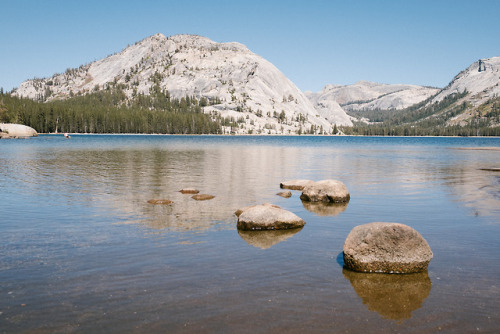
325	209
393	296
266	239
123	175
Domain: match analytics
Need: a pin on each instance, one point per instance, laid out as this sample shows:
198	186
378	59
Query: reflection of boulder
325	209
266	239
386	248
332	191
392	296
268	217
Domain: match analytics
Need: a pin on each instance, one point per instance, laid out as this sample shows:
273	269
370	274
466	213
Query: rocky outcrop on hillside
475	92
481	80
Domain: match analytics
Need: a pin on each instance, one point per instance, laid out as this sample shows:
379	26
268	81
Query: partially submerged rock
285	194
386	248
491	169
160	201
202	197
189	191
331	191
295	184
268	217
10	130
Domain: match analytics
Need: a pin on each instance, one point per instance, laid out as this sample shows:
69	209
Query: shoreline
252	135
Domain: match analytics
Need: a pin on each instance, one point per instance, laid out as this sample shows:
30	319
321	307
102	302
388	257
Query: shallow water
83	251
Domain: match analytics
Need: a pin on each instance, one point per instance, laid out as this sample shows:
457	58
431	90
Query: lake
82	250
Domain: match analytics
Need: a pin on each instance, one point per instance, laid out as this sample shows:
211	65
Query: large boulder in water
11	130
386	248
331	191
268	217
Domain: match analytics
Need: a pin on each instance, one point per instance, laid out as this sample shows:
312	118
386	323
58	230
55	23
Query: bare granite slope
245	85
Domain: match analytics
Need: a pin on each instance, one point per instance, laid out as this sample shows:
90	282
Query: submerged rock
386	248
285	194
295	184
332	191
160	201
202	197
268	217
189	191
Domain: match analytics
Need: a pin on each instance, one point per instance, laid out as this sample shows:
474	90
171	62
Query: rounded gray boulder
331	191
268	217
386	248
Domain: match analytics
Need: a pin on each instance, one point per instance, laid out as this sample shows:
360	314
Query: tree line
110	111
425	119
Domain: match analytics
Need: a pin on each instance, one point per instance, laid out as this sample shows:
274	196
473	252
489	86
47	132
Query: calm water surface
81	250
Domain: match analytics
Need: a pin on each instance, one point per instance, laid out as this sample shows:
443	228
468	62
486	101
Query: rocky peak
481	80
249	88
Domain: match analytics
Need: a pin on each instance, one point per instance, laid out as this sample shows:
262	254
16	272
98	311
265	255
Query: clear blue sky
312	42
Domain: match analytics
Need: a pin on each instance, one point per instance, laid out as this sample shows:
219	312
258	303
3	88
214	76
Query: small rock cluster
271	217
189	191
371	248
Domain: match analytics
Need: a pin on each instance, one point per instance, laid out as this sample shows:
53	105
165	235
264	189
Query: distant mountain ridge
244	85
366	95
252	93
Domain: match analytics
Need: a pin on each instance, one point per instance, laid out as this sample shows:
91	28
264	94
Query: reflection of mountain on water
476	186
123	179
325	209
393	296
267	239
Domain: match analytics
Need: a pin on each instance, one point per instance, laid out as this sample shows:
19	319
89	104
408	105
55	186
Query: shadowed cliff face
392	296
